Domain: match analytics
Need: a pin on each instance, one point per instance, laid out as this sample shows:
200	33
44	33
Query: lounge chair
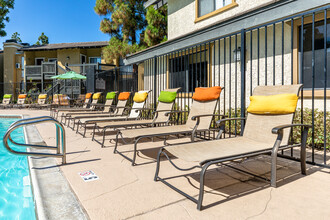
55	103
20	101
40	102
54	112
135	113
199	120
164	105
119	110
6	101
93	106
265	131
107	108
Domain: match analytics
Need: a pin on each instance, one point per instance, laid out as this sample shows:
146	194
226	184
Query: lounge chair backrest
42	101
201	108
259	127
21	101
165	106
64	101
87	101
137	105
94	102
107	105
6	101
121	104
56	99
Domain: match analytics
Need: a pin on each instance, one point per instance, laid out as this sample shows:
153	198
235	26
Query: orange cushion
207	94
124	95
22	96
88	95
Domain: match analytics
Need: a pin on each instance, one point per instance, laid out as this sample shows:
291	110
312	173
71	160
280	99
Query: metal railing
291	50
60	138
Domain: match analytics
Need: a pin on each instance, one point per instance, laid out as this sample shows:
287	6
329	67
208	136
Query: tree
16	37
156	31
42	39
5	5
124	23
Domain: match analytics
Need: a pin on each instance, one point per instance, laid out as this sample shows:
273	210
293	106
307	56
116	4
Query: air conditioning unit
18	65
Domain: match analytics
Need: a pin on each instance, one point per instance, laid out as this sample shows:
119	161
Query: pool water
16	199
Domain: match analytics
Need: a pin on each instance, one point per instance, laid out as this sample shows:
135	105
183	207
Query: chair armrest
229	119
207	115
277	129
141	109
174	112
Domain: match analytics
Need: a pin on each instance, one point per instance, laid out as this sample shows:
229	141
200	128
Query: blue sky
63	21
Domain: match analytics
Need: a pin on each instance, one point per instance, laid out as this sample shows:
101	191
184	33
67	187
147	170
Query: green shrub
318	127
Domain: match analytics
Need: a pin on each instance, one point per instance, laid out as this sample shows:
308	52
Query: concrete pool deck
126	192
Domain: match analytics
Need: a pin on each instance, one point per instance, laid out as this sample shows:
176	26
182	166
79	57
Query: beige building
23	66
205	48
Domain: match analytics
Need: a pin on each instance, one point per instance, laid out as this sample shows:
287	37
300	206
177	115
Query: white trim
89	59
14	46
35	60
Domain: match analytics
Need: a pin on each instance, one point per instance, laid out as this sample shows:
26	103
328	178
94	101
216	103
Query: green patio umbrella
70	75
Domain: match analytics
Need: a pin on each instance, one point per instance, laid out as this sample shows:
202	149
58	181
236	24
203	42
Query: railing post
155	82
243	94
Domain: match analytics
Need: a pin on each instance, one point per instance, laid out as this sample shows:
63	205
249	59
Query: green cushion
166	96
111	95
7	96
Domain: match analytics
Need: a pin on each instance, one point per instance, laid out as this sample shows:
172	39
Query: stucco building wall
182	14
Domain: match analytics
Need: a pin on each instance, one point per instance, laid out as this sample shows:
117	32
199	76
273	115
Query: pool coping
44	209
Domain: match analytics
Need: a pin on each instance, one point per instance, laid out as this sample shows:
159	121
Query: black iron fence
293	50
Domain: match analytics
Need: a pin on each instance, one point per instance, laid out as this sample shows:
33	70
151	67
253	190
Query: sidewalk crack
266	206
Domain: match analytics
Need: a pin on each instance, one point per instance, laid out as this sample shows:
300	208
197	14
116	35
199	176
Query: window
82	58
319	55
188	76
39	61
52	59
207	8
95	60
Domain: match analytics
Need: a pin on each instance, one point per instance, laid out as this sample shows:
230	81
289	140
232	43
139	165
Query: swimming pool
16	198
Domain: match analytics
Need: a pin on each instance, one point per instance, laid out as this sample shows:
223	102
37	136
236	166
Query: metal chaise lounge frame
118	111
55	111
134	114
20	101
252	143
6	102
40	102
108	107
199	119
159	119
92	107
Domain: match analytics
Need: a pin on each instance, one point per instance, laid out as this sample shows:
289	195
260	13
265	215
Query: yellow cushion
96	95
273	104
140	97
42	96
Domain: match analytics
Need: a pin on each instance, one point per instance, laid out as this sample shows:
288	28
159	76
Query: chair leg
274	158
116	144
85	126
103	138
201	185
158	164
77	127
93	132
